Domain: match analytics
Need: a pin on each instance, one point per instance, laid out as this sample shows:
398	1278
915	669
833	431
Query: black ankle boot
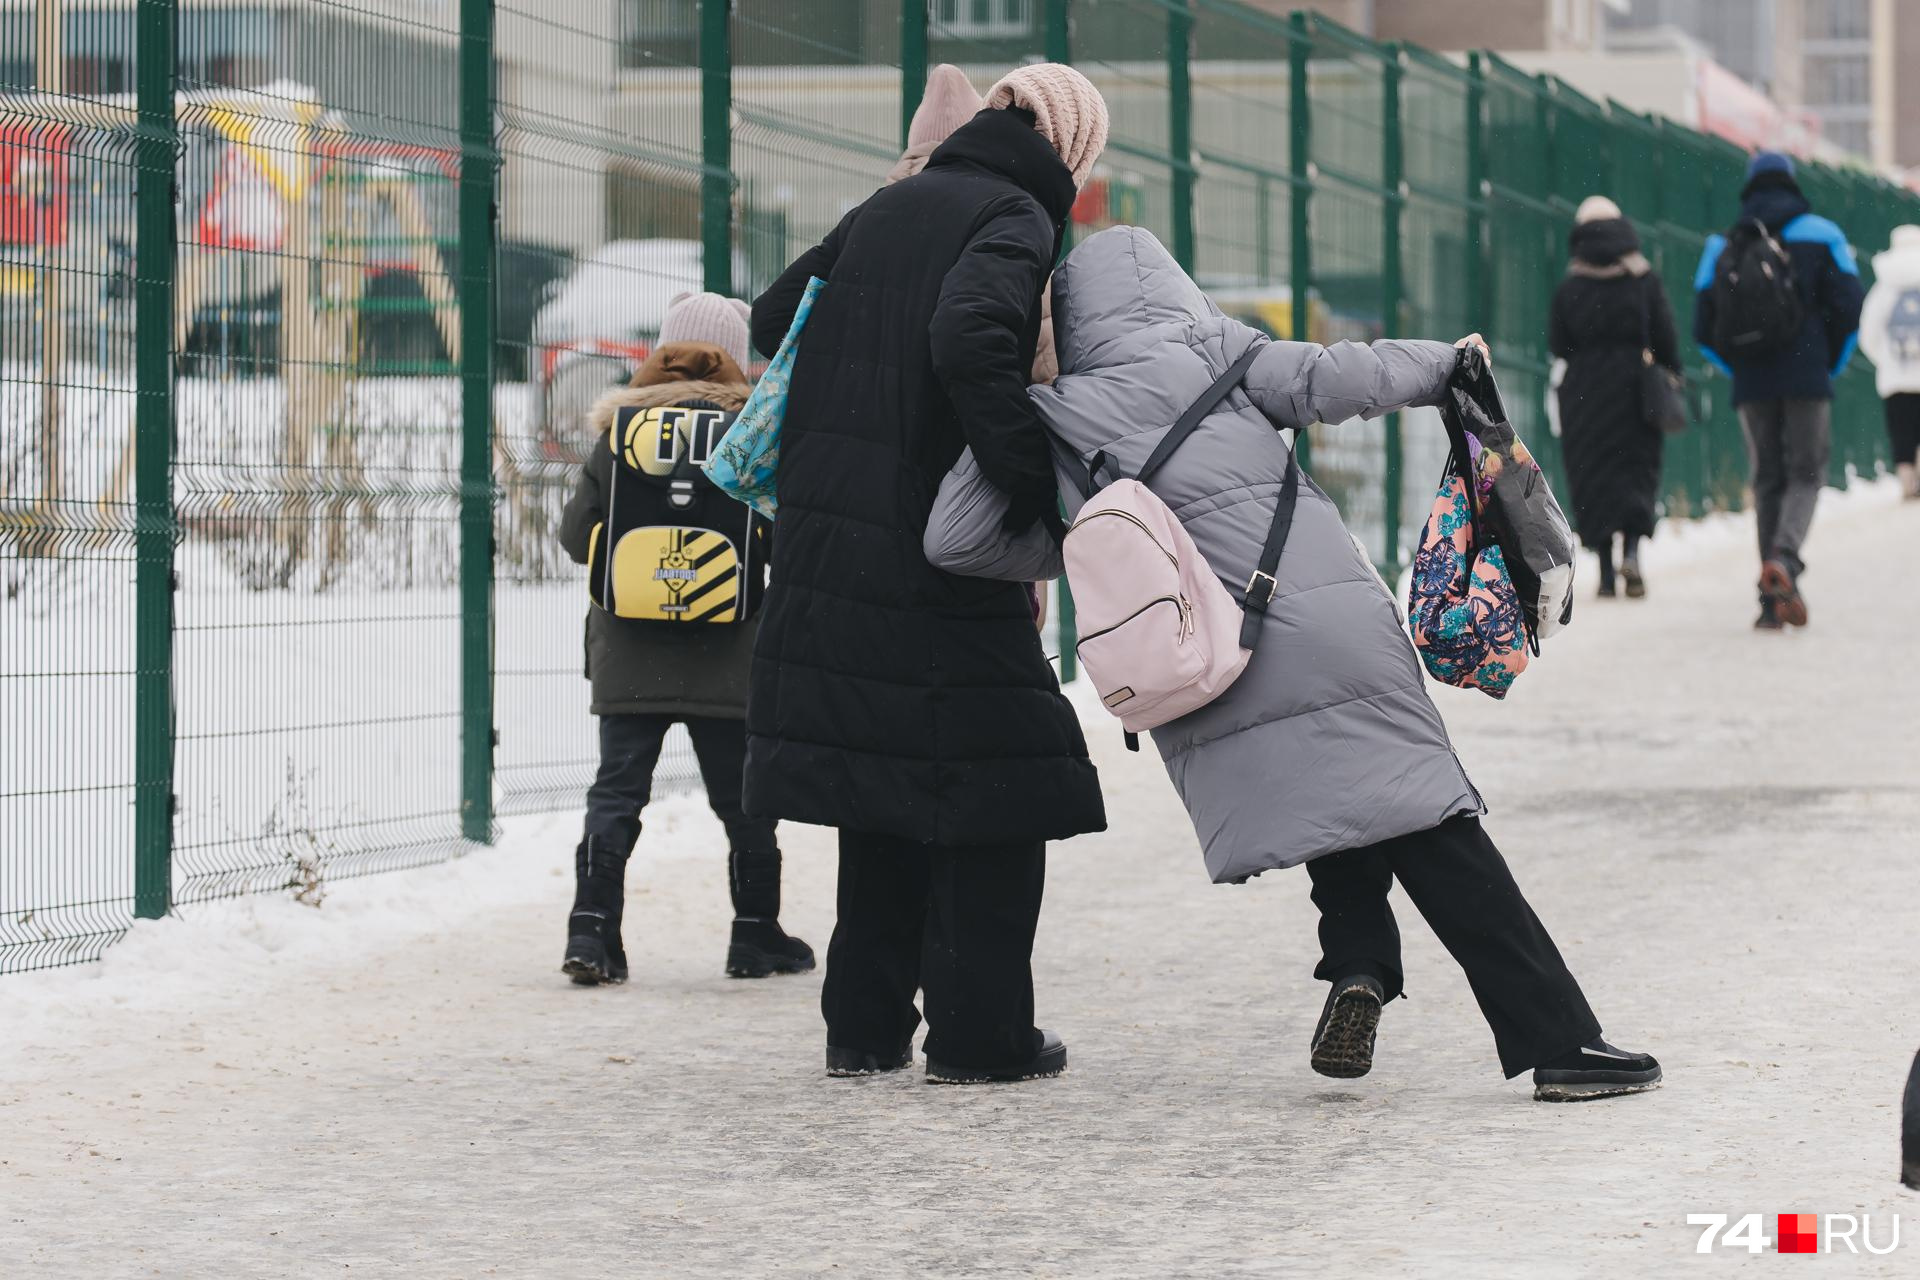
759	946
594	951
1910	1130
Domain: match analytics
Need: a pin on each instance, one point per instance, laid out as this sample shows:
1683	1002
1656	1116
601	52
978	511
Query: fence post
479	161
1057	41
1180	127
1299	206
913	62
155	266
1478	304
716	145
1392	282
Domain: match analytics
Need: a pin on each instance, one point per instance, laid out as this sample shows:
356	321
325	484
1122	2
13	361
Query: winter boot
858	1062
1050	1061
1594	1070
1632	580
1343	1042
1777	583
1910	1130
594	951
1769	619
759	947
1909	480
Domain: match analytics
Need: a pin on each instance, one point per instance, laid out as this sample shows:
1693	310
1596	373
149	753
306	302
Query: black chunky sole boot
594	953
1049	1062
1343	1042
1595	1070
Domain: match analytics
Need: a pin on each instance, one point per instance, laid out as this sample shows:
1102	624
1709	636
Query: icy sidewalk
1718	826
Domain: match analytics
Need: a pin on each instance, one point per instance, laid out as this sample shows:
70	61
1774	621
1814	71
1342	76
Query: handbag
1465	613
1663	402
744	463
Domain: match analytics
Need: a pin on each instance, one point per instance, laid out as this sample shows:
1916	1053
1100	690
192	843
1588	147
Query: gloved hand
1024	510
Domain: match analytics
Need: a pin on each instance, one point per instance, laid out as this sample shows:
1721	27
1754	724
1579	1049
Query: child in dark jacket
676	570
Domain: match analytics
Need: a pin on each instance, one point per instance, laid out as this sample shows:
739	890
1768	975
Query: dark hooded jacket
888	696
1828	281
643	667
1608	309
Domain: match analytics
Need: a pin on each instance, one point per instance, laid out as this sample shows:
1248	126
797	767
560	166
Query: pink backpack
1159	635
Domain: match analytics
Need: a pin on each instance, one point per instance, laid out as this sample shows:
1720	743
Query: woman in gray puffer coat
1327	749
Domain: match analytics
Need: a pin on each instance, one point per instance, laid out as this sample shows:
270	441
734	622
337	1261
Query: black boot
1343	1042
1910	1130
1594	1070
759	947
594	951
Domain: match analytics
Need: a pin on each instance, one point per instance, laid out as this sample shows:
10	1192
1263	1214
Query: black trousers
1460	883
955	922
1903	425
629	751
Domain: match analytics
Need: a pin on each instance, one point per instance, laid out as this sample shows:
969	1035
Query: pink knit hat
708	317
950	101
1067	110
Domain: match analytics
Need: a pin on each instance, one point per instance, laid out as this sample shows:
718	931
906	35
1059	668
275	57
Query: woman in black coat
1608	310
913	709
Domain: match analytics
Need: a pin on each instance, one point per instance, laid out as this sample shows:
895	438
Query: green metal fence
302	305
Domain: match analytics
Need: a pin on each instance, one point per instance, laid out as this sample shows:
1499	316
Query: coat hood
1775	200
1902	259
1115	294
1603	241
727	395
1005	143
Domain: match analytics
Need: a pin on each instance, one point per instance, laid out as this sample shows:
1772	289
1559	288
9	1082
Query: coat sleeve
1840	296
1661	334
987	300
1299	383
1873	322
1559	337
1703	302
964	533
587	505
773	310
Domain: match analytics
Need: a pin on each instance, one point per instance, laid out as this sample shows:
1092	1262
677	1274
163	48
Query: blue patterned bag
745	461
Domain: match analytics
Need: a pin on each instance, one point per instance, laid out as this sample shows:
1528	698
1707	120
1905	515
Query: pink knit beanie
1067	110
950	101
708	317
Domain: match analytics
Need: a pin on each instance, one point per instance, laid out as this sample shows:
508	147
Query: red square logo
1799	1233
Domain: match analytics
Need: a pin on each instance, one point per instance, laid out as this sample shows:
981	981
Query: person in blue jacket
1785	396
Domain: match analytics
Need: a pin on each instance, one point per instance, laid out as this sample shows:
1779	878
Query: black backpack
674	548
1757	312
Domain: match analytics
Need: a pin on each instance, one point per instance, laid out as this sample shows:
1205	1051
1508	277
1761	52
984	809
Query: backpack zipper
1178	602
1130	519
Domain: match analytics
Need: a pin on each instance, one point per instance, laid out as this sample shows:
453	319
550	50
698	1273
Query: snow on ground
1718	827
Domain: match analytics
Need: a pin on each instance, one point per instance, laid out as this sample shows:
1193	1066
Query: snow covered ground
1718	827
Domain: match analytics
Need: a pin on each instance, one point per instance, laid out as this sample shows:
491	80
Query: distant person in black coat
1607	313
910	708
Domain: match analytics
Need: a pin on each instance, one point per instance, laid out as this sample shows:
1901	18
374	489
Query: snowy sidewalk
1718	827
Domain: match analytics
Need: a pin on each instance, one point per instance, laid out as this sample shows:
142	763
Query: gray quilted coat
1328	741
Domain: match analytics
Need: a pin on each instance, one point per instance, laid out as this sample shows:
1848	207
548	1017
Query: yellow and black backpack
673	548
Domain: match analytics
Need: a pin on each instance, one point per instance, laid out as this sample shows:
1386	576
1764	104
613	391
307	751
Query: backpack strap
1262	585
1198	410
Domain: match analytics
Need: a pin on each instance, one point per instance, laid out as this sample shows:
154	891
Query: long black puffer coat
1608	309
888	696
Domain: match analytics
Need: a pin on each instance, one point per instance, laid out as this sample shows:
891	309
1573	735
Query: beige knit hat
1596	209
708	317
950	101
1067	110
